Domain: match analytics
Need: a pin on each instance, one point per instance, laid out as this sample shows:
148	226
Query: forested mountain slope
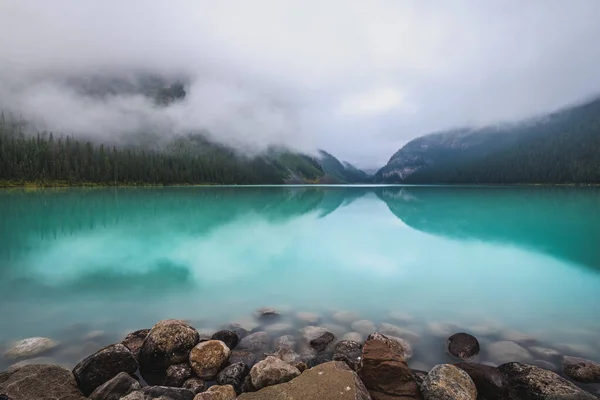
562	147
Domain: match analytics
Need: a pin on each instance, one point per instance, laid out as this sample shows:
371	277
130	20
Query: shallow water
486	260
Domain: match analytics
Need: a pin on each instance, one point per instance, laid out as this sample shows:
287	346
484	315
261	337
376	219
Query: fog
356	78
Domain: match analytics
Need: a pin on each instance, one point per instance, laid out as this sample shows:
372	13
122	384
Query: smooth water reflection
121	259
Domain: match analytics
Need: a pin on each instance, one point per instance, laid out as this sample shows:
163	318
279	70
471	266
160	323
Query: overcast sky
357	78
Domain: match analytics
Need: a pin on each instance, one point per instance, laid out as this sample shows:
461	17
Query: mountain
562	147
339	172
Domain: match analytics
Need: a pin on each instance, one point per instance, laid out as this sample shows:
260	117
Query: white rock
30	347
506	351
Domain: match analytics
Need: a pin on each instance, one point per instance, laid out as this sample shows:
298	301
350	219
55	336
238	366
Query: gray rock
208	358
308	318
30	347
581	370
102	366
267	314
530	382
507	351
246	357
545	365
518	337
310	332
230	338
255	342
288	355
225	392
544	352
328	381
285	342
447	382
396	331
169	342
349	352
195	385
488	380
39	382
320	343
279	328
463	346
345	317
234	375
176	374
160	393
364	326
272	371
119	386
134	341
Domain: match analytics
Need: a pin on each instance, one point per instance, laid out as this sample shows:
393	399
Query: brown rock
463	345
134	341
225	392
398	345
195	385
581	370
385	374
39	382
169	342
208	358
329	381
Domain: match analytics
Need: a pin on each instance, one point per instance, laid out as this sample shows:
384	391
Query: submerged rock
208	358
345	317
488	380
39	382
447	382
279	328
385	373
442	329
506	351
102	366
234	375
285	342
255	342
308	318
230	338
134	341
119	386
320	343
245	357
272	371
544	352
530	382
168	342
396	331
267	314
30	347
581	370
463	345
329	381
354	336
519	337
545	365
364	326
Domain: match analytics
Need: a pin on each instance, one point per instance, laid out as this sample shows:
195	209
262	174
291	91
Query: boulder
168	342
488	380
285	342
519	337
545	365
354	336
463	346
329	381
447	382
320	343
30	347
102	366
134	341
349	352
396	331
364	326
288	355
272	371
398	345
506	351
544	352
176	374
311	332
230	338
234	375
419	376
442	329
530	382
217	393
255	342
208	358
345	317
581	370
39	382
119	386
279	328
308	318
195	385
385	373
246	357
267	314
160	393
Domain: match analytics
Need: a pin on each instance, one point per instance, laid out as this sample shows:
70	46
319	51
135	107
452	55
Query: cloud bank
356	78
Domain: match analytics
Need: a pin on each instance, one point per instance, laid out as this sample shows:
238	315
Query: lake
86	266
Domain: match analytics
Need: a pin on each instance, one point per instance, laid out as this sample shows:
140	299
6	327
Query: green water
115	260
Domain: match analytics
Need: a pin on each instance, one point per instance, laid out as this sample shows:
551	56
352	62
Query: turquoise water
504	259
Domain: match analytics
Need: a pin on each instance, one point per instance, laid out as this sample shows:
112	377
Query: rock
447	382
401	316
506	351
217	393
577	349
247	387
419	376
272	371
353	336
519	337
39	382
364	326
36	360
349	352
396	331
230	338
581	370
463	345
285	342
544	352
336	329
345	317
176	374
287	355
30	347
234	375
119	386
243	326
489	363
195	385
385	374
134	341
255	342
398	345
267	314
168	342
545	365
279	328
330	381
208	358
301	366
308	318
320	343
484	330
102	366
488	380
160	393
310	332
442	329
244	356
530	382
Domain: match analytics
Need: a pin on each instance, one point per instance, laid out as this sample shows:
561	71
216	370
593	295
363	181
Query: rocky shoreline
174	361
